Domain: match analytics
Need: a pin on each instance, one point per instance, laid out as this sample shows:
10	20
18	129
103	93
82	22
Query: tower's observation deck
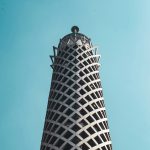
76	116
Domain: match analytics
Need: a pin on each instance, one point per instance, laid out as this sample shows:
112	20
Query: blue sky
29	29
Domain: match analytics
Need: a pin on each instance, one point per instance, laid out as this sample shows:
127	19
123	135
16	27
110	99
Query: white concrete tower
76	116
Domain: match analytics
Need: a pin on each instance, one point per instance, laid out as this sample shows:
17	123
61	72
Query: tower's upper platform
74	38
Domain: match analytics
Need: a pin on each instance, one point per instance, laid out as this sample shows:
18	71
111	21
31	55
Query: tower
76	116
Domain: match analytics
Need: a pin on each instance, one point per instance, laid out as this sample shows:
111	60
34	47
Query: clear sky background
29	29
